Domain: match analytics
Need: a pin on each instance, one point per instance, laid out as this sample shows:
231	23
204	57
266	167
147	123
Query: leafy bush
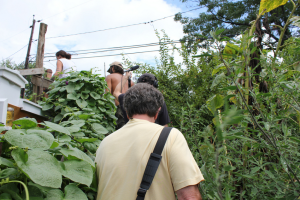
35	164
81	96
239	112
55	161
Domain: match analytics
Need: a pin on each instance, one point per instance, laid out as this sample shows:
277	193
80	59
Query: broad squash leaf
79	171
26	123
41	167
33	139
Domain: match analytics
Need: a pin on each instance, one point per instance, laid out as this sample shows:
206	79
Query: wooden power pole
28	52
29	45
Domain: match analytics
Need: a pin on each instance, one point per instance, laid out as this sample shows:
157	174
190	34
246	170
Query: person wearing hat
113	79
163	115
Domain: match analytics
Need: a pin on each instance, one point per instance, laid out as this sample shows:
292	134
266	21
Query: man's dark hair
117	69
147	78
142	98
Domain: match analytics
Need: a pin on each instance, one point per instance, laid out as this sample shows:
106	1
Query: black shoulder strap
153	163
129	83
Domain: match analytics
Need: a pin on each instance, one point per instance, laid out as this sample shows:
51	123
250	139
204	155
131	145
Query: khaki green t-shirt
122	158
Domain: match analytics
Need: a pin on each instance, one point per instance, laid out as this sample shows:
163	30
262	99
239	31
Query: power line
113	48
120	26
111	55
17	51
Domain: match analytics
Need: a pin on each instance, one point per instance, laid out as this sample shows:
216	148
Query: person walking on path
122	156
113	79
64	64
163	115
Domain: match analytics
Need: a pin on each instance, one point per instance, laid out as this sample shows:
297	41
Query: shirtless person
116	76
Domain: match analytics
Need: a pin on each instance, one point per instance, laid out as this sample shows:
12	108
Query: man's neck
144	117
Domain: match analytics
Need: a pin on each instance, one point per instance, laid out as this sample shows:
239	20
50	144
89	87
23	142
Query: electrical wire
111	55
120	26
17	51
113	49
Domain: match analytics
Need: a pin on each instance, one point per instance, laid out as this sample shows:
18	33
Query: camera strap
153	163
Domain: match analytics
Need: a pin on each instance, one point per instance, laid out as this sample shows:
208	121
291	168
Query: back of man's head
142	98
117	66
148	78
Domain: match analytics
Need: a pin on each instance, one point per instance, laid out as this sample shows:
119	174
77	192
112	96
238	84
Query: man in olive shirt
122	156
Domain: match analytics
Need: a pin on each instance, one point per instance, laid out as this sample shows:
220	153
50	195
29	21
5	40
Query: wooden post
38	88
41	46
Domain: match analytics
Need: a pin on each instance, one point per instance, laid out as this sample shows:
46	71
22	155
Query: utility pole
29	45
28	53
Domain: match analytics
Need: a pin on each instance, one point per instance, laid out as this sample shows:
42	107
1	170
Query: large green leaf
78	154
81	103
6	162
8	172
99	129
218	79
47	107
270	5
12	190
31	138
72	96
77	122
79	171
71	87
215	102
73	129
55	194
43	189
72	192
84	95
57	127
41	167
95	95
26	123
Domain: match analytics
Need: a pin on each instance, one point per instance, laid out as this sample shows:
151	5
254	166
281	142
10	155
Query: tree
235	16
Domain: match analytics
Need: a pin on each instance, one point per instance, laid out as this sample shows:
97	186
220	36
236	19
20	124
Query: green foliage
235	17
244	139
81	96
34	154
56	161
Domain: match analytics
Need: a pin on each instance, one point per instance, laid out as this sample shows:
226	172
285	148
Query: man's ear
156	115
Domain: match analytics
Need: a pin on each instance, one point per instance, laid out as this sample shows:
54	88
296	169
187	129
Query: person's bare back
113	80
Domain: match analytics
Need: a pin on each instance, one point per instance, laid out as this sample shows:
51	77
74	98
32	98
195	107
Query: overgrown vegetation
237	105
55	161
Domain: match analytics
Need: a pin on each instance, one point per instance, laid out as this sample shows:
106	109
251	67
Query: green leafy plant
43	158
81	96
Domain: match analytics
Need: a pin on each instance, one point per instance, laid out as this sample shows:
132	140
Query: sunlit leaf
270	5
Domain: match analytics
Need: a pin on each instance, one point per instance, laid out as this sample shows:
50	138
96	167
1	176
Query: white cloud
92	15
